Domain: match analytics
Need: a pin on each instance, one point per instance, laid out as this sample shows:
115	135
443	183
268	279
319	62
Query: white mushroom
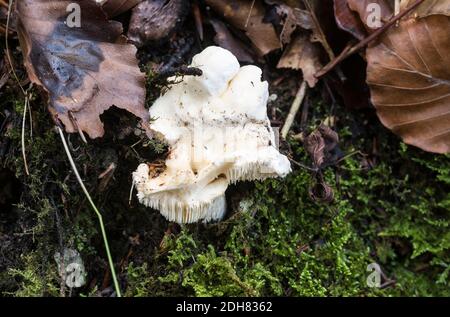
217	128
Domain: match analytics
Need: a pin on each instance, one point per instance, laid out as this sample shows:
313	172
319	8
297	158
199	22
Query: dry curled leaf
304	55
116	7
315	146
409	77
364	8
289	17
85	69
320	191
153	20
321	145
248	15
428	7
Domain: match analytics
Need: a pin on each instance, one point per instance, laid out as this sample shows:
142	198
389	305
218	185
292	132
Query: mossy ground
391	207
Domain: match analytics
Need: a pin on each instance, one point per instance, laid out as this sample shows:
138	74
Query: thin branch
351	50
99	215
294	109
131	192
31	120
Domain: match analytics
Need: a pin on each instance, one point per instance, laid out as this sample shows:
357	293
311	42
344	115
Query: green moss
391	207
139	281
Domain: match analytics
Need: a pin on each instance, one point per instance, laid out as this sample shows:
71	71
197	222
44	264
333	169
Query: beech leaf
85	69
116	7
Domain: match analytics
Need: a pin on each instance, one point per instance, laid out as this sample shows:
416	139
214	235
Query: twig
325	43
249	13
312	169
131	192
351	50
294	109
99	215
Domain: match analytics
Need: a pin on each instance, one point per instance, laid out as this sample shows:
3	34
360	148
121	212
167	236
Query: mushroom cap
217	128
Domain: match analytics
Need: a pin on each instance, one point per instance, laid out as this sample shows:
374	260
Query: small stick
294	109
24	119
131	192
31	120
312	169
350	51
99	215
75	123
249	13
326	45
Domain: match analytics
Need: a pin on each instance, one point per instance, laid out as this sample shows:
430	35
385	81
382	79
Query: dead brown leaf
153	20
3	21
4	72
428	7
248	15
290	17
315	146
409	77
321	145
225	39
304	55
86	69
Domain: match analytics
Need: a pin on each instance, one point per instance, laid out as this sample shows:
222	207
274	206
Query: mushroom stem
99	215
